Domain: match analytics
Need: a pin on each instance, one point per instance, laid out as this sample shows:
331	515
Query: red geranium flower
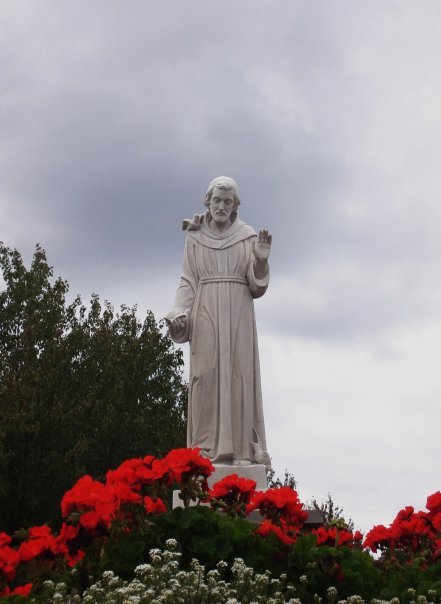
22	590
62	543
232	494
154	505
126	473
233	487
9	560
436	521
433	503
279	504
379	536
86	494
97	502
181	464
335	537
412	529
122	493
266	527
91	520
29	550
42	541
133	472
5	539
73	559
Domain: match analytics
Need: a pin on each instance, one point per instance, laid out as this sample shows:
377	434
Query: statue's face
221	206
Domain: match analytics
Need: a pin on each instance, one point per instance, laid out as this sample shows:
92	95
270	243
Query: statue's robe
217	288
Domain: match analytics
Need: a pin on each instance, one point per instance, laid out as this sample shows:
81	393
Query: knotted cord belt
223	279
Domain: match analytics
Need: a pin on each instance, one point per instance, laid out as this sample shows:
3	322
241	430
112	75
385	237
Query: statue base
256	472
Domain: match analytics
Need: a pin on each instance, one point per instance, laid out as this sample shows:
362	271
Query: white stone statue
225	267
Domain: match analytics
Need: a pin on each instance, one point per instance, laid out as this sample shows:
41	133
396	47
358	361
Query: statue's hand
177	326
262	246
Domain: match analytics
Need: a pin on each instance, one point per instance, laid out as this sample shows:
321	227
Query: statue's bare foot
241	462
222	460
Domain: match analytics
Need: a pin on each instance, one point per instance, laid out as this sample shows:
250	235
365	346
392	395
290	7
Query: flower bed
112	525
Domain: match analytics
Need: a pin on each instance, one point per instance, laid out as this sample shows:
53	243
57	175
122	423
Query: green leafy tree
274	482
81	389
333	514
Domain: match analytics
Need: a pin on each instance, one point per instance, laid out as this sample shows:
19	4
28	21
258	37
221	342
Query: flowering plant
337	536
411	535
232	494
113	523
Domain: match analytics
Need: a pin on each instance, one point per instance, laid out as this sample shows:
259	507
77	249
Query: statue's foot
222	459
241	462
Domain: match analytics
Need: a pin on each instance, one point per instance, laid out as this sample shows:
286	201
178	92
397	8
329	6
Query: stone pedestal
256	472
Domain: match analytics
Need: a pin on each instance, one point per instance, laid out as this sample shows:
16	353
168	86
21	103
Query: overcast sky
115	115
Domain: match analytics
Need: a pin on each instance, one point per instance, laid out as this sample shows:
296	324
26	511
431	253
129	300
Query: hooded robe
216	292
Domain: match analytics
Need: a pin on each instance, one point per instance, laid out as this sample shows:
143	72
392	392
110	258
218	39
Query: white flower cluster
164	582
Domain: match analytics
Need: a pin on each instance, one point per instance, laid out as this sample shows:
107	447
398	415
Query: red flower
91	520
22	590
181	464
433	503
73	559
42	541
98	503
29	550
126	472
122	493
4	539
154	506
406	513
9	560
266	527
335	537
232	494
279	504
85	494
379	536
232	487
67	533
410	529
133	472
62	545
436	521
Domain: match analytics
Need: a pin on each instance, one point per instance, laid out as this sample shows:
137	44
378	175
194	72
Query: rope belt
223	279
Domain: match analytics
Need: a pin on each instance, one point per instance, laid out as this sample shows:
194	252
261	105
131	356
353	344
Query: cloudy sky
115	115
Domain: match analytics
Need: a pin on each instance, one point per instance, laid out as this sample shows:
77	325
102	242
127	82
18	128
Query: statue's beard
231	218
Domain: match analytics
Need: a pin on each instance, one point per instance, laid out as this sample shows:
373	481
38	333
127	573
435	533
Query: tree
81	389
274	482
333	514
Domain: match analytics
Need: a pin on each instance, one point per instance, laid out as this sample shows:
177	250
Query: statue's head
224	183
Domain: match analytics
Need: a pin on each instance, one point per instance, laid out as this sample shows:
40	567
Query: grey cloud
114	121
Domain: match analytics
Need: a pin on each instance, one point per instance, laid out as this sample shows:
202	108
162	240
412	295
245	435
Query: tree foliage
81	388
333	514
274	482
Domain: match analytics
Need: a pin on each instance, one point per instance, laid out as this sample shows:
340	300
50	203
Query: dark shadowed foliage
81	389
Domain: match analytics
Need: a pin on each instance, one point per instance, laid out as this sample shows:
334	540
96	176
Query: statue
225	267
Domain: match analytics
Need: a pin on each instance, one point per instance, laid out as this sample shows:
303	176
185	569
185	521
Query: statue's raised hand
262	246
